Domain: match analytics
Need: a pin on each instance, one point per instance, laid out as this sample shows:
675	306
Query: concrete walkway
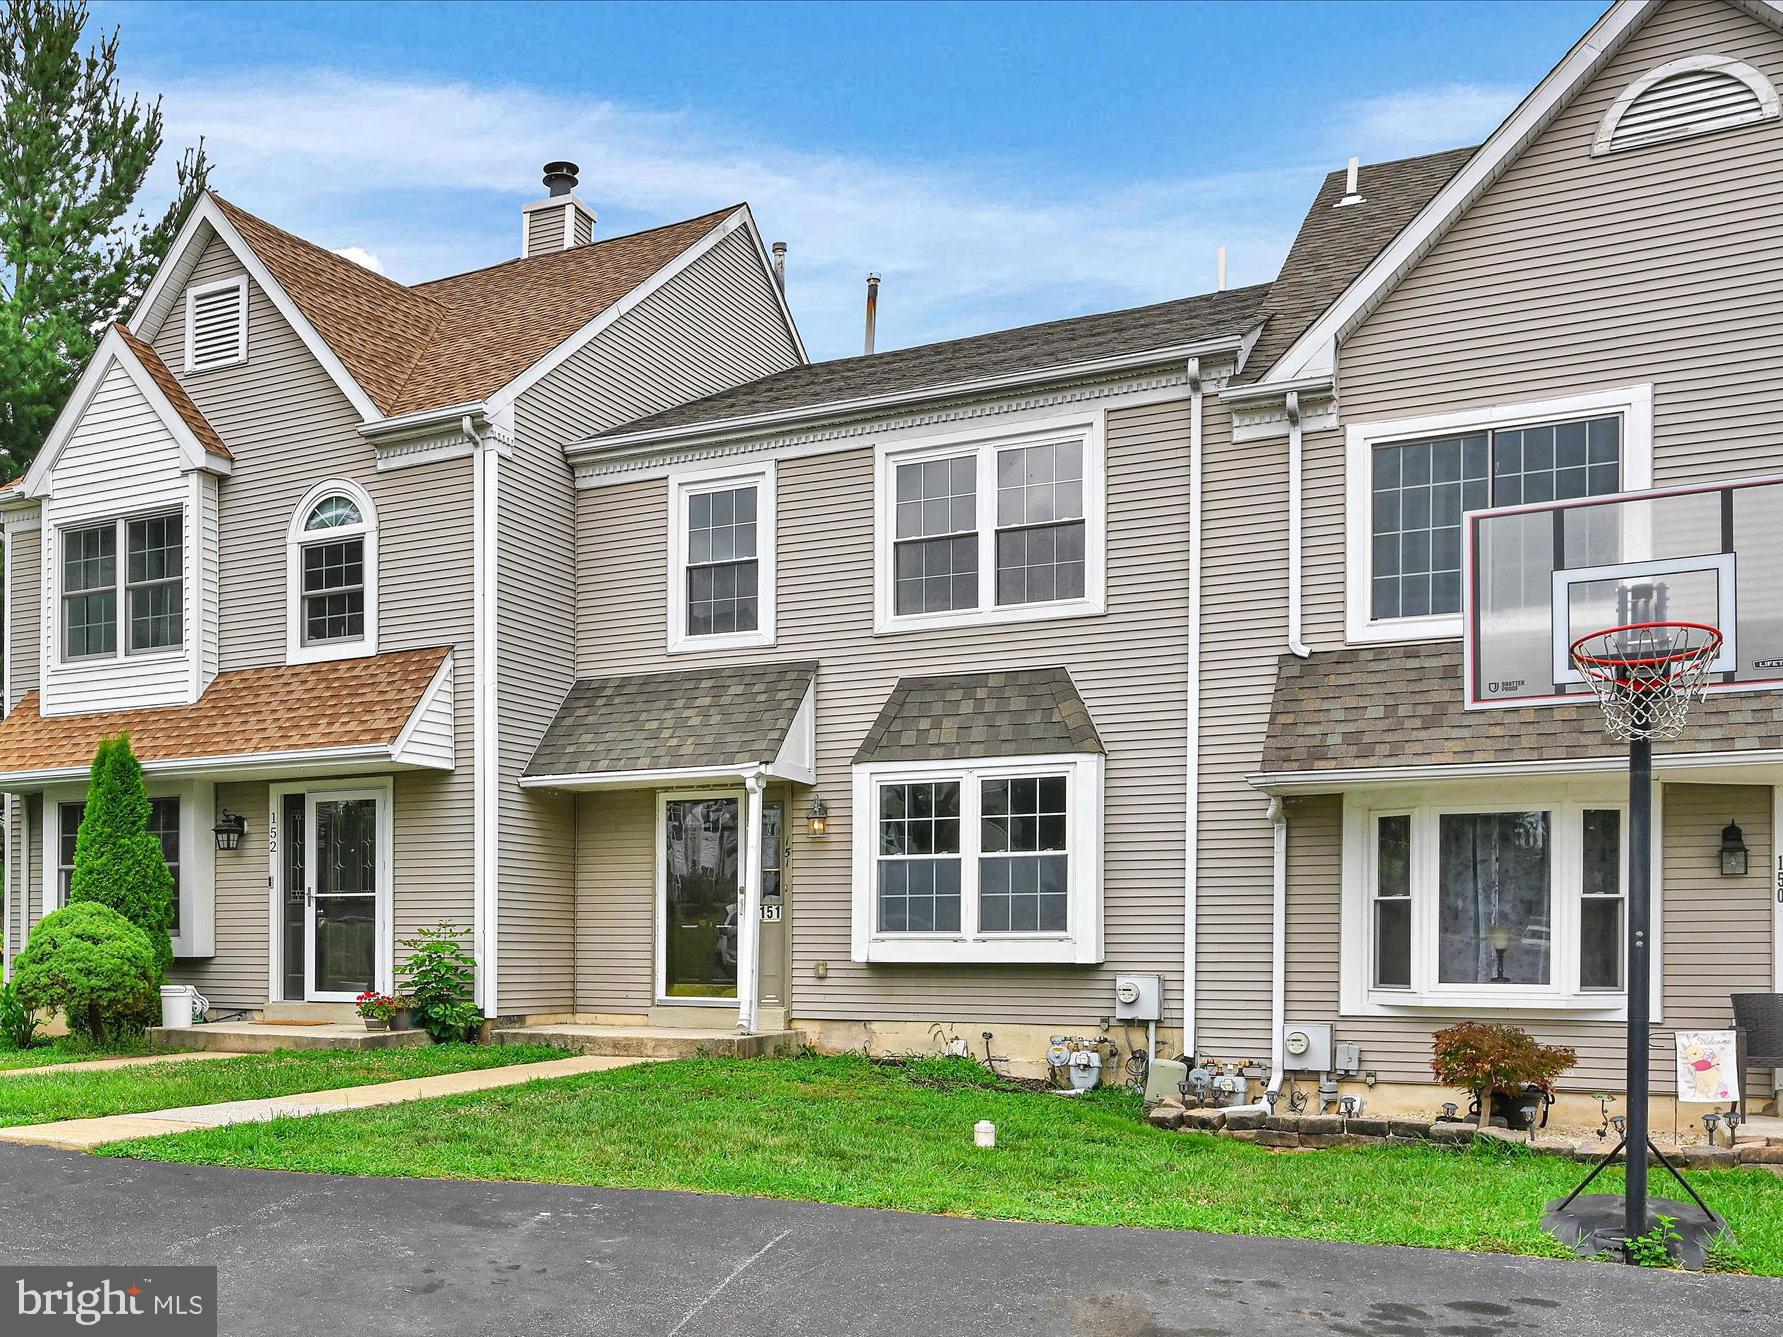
85	1134
103	1064
337	1254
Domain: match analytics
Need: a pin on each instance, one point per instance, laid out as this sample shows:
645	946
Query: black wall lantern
229	830
1733	851
817	820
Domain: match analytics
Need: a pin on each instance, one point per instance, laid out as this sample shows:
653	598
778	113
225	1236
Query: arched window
1692	96
331	572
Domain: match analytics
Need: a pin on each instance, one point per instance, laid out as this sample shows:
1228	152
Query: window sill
1050	950
1447	627
1487	1002
989	617
319	654
742	640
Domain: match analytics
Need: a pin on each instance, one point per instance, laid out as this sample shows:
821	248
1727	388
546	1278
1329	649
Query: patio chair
1758	1026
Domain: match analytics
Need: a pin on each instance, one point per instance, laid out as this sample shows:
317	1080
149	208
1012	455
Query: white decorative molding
1260	419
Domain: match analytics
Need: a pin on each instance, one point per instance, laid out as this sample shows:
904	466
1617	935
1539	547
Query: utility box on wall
1139	997
1307	1046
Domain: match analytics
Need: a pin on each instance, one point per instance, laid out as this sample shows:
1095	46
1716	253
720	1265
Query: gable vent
217	324
1694	96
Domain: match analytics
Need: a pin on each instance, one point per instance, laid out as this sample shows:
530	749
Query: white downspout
484	716
1278	942
1295	524
749	906
1192	737
1777	917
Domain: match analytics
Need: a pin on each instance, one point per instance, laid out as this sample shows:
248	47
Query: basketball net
1647	674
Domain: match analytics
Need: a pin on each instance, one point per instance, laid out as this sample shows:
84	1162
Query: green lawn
74	1094
843	1130
64	1050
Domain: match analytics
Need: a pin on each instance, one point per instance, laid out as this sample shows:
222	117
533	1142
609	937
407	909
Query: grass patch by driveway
844	1130
52	1096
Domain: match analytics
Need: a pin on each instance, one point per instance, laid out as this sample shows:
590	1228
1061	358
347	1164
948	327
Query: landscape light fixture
229	830
1733	851
817	820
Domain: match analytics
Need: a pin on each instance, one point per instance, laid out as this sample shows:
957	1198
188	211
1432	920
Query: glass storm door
702	871
340	841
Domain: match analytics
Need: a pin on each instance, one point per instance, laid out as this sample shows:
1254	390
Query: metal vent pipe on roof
560	177
1352	184
779	249
1220	279
872	307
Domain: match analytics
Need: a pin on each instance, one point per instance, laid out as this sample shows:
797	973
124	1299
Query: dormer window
332	569
140	604
217	324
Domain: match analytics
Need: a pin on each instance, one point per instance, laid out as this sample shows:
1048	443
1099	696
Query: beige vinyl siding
31	910
712	326
24	593
1661	264
289	428
615	924
1128	664
1714	940
236	976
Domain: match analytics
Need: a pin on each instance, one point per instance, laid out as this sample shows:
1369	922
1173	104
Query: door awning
688	726
381	712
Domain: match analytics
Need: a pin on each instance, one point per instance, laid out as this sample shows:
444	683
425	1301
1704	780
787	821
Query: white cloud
360	256
433	175
1421	120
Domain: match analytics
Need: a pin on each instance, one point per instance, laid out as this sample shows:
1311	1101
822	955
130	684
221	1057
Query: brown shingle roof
1401	705
1335	245
345	703
1017	713
175	392
455	340
687	719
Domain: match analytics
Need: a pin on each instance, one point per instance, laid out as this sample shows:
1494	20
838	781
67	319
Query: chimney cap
560	177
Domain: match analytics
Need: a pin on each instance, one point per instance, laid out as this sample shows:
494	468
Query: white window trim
1769	108
1634	403
1080	944
1089	430
198	882
685	485
1566	800
121	652
240	284
296	540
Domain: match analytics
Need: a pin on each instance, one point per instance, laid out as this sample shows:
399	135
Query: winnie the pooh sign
1707	1069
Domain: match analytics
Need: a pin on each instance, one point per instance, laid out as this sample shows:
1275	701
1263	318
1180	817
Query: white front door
331	875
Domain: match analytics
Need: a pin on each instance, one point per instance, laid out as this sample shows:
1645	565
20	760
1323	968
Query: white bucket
180	1003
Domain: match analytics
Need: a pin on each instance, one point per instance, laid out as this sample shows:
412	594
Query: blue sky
998	164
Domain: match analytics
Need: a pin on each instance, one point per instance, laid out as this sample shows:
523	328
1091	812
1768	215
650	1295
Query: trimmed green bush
117	862
94	964
442	977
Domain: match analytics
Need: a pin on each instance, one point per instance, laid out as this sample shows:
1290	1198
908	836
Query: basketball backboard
1540	576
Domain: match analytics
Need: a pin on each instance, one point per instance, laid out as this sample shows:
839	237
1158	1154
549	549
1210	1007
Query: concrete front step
649	1041
258	1037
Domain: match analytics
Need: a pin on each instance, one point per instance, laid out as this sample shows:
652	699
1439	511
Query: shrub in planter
1496	1060
117	862
94	964
441	976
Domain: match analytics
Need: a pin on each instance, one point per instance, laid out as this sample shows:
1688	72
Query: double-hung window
164	825
995	860
332	570
1411	482
991	531
138	604
721	559
1484	905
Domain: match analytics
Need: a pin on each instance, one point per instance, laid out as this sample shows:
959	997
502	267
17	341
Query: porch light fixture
1733	851
817	820
229	830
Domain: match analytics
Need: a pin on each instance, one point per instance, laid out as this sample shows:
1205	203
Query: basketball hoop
1646	674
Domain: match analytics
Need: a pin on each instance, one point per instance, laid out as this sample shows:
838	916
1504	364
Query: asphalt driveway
318	1253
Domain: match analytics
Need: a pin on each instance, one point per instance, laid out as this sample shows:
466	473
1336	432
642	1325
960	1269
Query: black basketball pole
1640	977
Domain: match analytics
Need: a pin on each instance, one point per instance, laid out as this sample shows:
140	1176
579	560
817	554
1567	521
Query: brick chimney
560	220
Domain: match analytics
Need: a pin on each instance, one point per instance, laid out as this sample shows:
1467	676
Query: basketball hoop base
1594	1224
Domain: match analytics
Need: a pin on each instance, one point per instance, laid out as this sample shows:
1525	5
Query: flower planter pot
1520	1110
375	1023
403	1020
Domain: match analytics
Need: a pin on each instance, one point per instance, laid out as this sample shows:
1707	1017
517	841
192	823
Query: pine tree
117	862
73	256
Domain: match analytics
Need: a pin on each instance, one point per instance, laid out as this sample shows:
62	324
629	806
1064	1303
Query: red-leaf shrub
1483	1058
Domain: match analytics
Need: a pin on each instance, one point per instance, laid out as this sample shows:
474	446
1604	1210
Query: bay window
989	860
1485	904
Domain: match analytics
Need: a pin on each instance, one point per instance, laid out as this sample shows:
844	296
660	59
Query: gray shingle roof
731	716
1017	713
1335	245
1401	705
1058	343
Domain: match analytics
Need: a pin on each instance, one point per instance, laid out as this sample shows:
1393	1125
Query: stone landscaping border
1317	1131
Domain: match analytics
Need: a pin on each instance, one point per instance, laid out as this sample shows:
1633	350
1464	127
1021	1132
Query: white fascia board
767	270
675	775
437	697
1677	765
504	398
694	433
1314	353
113	349
251	765
206	211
